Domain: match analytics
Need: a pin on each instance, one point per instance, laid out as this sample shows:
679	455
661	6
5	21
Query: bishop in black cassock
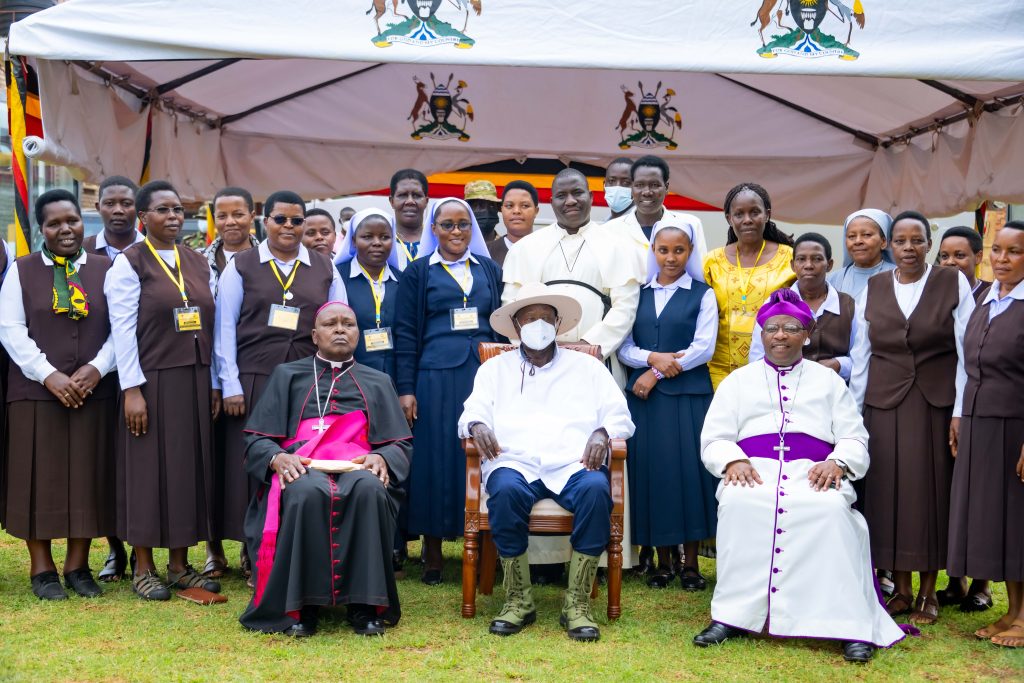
330	541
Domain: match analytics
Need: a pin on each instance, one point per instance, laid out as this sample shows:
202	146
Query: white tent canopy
915	104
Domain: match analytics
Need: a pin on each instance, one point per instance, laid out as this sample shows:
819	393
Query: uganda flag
23	119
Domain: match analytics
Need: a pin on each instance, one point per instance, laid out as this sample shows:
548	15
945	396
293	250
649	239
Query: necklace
782	448
575	259
749	271
320	426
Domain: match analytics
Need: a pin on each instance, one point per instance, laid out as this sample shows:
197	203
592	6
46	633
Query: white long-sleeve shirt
543	417
700	350
123	290
907	297
831	305
22	349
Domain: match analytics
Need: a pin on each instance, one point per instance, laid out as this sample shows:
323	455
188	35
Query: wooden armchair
480	555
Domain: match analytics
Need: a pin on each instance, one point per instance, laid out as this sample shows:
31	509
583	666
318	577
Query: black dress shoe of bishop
859	653
716	634
46	586
364	620
306	626
81	581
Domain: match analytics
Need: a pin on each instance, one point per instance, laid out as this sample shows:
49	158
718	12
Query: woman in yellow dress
754	263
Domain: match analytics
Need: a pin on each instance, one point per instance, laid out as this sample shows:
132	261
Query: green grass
120	638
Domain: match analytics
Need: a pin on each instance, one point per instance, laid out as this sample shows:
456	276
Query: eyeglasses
448	226
165	210
281	219
790	328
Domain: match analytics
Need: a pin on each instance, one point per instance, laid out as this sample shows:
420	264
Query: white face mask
618	198
537	335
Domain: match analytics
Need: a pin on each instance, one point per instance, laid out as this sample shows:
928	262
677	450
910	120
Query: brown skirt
906	490
60	470
986	519
165	476
234	487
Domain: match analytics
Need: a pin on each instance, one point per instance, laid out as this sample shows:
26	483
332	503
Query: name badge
378	339
464	319
283	317
187	319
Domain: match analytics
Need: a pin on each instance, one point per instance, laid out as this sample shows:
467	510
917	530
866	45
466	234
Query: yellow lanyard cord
378	296
464	285
750	271
291	278
405	248
179	281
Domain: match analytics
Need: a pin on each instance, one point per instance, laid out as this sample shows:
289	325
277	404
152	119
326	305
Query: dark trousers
587	495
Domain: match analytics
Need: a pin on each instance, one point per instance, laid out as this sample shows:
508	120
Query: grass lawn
118	637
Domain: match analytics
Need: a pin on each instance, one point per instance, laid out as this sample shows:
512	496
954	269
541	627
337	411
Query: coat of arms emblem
805	37
422	22
641	124
435	116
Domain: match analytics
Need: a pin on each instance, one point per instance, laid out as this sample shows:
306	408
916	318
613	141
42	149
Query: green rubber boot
519	610
576	619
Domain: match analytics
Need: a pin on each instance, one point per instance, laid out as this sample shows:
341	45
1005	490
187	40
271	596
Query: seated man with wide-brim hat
543	418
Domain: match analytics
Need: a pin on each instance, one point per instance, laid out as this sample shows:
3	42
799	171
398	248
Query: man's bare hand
376	465
289	467
486	441
741	473
596	451
824	475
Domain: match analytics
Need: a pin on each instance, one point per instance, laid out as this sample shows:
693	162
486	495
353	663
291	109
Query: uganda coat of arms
435	116
806	38
641	123
423	22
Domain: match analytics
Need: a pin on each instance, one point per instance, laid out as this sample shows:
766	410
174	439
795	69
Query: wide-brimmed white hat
569	310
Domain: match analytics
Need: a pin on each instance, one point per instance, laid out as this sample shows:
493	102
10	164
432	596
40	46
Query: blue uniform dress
671	493
437	365
360	298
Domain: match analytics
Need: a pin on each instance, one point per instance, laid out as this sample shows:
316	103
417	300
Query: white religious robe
790	558
542	418
628	226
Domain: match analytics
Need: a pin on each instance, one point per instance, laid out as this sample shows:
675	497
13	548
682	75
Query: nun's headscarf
347	250
884	223
694	268
428	242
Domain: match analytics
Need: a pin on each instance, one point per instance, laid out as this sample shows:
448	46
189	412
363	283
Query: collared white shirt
123	290
112	251
996	304
355	270
22	349
230	292
701	349
831	305
542	417
462	273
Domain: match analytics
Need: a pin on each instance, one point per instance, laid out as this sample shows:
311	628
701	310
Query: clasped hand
72	391
594	453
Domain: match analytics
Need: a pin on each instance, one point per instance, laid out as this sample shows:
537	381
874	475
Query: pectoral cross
321	427
781	448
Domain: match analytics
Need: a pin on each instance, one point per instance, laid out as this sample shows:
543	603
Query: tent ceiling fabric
817	132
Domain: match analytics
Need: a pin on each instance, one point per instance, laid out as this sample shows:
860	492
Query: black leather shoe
364	620
859	653
692	580
646	564
81	581
46	586
716	634
500	627
306	626
431	577
115	564
398	563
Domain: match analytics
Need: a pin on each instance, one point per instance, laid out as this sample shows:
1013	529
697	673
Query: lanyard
464	285
405	248
179	281
285	285
378	296
749	271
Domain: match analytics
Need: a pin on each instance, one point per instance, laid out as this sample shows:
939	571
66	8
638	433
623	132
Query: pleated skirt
166	476
906	490
233	486
986	518
671	493
60	472
437	480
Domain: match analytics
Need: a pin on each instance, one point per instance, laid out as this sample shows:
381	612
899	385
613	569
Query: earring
807	342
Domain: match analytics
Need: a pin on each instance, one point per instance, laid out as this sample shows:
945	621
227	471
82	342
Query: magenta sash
346	438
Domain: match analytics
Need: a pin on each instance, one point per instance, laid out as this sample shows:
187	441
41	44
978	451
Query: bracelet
657	373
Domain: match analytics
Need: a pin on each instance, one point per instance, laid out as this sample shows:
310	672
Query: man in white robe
533	413
793	555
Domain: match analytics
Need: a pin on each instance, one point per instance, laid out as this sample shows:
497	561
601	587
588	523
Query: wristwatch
842	465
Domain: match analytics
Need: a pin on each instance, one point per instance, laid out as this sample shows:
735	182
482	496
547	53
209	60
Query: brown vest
160	345
830	337
89	244
68	344
262	348
994	360
921	350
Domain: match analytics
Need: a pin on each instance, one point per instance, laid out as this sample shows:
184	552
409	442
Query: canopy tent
831	105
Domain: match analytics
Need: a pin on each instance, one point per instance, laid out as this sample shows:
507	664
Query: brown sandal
926	612
1012	637
215	567
992	629
898	604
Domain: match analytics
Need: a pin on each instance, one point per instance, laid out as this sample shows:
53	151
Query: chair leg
615	569
469	560
488	562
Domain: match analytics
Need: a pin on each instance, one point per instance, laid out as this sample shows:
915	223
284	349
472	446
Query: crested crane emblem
424	23
803	24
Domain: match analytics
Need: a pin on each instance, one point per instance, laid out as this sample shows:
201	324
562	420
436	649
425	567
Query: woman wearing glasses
443	312
266	302
161	316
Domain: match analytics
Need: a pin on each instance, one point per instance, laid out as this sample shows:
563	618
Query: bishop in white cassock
793	555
